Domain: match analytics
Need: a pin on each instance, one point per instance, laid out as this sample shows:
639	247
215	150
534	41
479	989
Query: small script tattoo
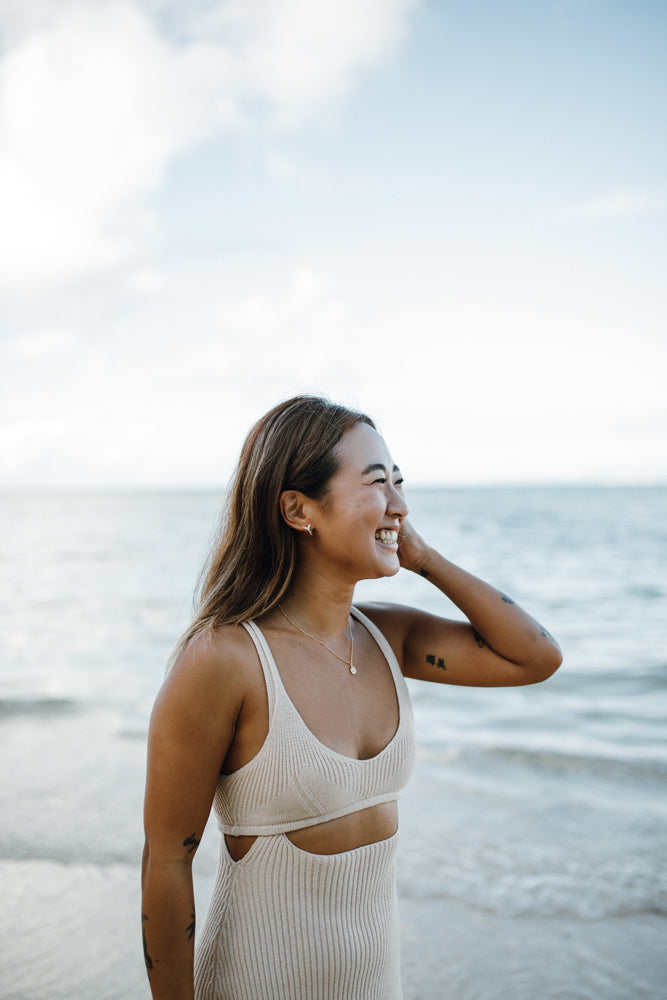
147	958
424	572
190	929
192	843
479	639
506	599
436	661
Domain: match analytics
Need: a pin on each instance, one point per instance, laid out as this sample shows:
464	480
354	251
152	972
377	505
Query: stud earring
309	529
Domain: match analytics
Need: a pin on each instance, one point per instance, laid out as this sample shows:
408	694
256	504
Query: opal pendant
353	670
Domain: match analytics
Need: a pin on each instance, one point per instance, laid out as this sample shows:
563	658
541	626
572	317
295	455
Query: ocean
533	836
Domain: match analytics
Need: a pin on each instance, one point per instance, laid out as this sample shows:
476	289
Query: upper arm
191	730
431	648
454	652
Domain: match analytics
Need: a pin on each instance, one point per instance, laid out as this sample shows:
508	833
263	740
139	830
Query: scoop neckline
278	680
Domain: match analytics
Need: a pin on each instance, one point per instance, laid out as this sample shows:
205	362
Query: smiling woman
286	707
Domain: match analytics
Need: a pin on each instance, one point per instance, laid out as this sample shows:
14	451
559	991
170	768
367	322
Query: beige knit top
296	781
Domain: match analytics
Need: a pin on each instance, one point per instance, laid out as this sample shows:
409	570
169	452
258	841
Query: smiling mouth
388	536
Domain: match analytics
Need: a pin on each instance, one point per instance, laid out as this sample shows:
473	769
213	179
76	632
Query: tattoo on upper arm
192	843
190	929
436	661
147	958
547	635
479	639
506	599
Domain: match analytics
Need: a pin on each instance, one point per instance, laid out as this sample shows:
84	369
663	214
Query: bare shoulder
211	672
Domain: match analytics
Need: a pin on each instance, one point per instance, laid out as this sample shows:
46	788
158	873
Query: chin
380	572
387	565
389	570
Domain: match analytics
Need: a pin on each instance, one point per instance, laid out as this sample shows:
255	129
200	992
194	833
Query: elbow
551	669
554	655
547	663
162	862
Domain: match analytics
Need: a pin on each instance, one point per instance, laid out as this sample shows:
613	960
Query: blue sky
451	215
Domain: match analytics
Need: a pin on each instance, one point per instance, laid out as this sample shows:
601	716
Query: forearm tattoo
147	958
506	599
424	572
190	929
436	661
191	842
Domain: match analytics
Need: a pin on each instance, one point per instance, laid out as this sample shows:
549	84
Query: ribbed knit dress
286	924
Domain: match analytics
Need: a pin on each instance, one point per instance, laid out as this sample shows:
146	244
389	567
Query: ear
296	509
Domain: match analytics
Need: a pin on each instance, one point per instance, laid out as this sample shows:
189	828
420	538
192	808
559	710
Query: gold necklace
342	659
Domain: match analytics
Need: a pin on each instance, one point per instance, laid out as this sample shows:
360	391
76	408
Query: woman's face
358	520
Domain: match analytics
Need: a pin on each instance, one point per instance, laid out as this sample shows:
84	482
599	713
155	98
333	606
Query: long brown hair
292	447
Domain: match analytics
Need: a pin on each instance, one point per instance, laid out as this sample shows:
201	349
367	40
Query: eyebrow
378	466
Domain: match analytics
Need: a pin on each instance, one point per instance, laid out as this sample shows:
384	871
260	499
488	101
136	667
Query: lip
393	544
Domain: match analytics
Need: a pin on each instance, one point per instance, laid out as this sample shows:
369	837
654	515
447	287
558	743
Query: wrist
421	561
433	566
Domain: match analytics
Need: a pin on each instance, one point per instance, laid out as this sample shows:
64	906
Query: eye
383	481
399	482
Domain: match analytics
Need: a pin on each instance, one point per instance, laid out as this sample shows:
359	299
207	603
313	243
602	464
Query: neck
317	603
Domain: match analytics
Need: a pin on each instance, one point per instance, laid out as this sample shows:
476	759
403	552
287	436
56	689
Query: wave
139	733
598	764
524	880
25	853
10	707
611	762
573	900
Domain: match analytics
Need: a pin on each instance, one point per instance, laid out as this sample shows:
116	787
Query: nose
396	505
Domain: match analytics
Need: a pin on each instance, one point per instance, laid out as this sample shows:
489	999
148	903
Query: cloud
618	205
299	55
24	442
97	100
167	392
93	110
292	56
42	345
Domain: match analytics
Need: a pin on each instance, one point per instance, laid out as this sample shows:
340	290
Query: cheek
359	510
372	515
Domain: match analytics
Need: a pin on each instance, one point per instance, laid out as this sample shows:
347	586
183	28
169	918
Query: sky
451	215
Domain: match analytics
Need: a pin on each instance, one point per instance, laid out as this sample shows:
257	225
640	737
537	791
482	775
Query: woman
287	707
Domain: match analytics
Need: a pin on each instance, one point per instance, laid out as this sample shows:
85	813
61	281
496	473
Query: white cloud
57	449
148	281
301	54
167	393
92	110
42	345
98	99
289	169
300	328
617	205
463	391
24	442
292	56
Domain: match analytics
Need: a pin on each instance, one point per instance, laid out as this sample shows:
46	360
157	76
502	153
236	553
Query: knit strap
382	642
269	668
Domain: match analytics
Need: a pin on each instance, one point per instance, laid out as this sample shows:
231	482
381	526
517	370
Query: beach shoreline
74	931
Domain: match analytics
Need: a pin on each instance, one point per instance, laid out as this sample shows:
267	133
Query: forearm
497	620
168	928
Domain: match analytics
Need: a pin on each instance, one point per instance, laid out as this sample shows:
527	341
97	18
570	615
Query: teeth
387	535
